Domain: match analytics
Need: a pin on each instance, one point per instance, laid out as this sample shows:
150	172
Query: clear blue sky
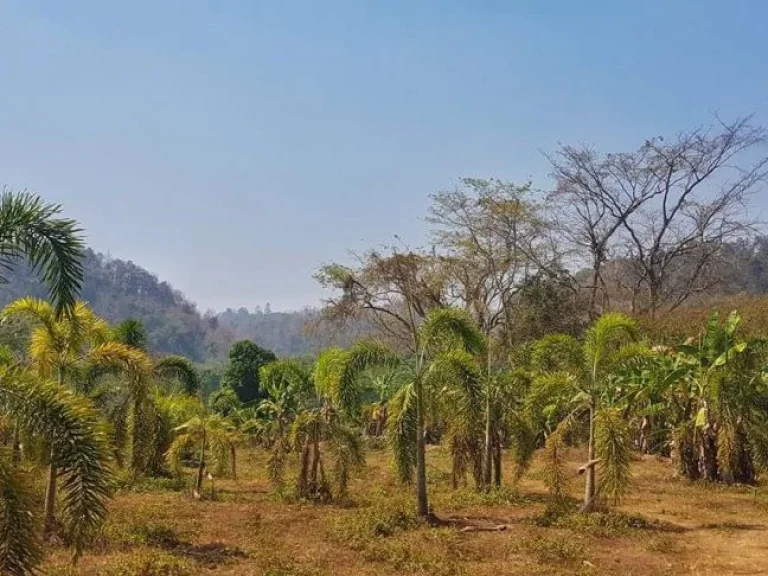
233	147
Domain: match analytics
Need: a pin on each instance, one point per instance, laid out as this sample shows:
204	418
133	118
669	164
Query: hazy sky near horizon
233	147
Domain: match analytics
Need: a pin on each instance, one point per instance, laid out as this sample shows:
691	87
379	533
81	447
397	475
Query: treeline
651	233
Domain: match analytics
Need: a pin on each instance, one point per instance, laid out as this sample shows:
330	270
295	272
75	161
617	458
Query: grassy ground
663	527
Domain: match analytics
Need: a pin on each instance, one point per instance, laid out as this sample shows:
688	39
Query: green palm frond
457	376
612	446
79	440
338	373
401	432
555	476
604	336
176	451
451	328
20	549
524	444
346	448
180	369
54	246
284	378
117	356
557	353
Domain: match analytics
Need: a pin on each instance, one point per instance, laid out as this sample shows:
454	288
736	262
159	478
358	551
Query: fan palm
31	228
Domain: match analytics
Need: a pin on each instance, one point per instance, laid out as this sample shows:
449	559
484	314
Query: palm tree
505	418
31	228
80	445
443	377
587	389
69	350
213	435
289	388
315	414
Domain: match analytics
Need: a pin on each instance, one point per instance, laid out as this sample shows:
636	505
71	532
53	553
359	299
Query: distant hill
117	289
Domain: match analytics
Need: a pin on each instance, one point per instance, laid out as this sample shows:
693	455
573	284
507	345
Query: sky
232	148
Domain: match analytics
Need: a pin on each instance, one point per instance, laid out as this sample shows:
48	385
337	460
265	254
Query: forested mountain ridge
117	289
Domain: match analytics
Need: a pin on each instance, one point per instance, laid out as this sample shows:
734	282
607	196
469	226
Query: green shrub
128	482
382	516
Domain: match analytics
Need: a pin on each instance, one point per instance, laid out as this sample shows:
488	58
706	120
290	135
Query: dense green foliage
241	372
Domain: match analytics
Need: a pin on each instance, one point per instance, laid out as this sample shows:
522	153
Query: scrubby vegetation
493	411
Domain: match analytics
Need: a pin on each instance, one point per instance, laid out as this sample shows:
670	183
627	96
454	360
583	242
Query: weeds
553	550
146	563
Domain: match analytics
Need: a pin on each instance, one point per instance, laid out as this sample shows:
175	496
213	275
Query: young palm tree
443	377
317	415
289	388
505	391
214	437
587	389
31	228
80	445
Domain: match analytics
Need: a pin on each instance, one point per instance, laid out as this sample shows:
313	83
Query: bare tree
394	291
663	213
594	195
700	204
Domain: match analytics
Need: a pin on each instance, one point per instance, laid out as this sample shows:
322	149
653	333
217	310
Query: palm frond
338	373
457	376
612	446
53	245
180	369
555	476
20	549
556	353
606	334
451	328
346	448
401	432
79	440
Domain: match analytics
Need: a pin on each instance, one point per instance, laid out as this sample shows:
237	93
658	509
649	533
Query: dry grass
663	527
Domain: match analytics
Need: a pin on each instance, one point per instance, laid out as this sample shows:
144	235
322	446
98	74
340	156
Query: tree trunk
593	289
233	460
590	484
50	497
200	469
497	462
488	459
304	474
421	465
315	466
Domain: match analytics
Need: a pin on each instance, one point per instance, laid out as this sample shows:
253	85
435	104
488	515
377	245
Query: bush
382	516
